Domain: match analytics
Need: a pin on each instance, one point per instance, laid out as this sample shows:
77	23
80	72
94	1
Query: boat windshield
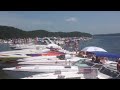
87	71
80	63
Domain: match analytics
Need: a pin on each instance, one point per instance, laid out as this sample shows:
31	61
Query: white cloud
72	19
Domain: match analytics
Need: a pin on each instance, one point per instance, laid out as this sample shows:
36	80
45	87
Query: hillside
7	32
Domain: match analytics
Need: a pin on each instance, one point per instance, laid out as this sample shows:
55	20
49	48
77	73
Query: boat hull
18	75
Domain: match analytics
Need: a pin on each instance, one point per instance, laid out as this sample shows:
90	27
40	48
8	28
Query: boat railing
97	64
118	75
108	71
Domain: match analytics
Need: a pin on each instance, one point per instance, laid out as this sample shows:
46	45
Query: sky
93	22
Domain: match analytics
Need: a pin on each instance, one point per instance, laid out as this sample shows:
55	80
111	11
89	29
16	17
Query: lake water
109	43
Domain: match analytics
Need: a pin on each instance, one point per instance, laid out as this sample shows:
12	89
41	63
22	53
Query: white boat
41	68
63	75
48	68
30	50
51	60
66	75
30	45
20	72
26	46
17	54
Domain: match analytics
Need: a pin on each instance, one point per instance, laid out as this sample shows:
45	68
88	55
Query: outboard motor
67	56
61	57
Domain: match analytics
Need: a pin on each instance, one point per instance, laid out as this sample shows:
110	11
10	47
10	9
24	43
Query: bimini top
106	54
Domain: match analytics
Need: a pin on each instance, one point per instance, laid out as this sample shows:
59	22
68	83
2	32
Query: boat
33	50
74	71
30	44
49	53
109	69
48	61
69	75
24	53
22	69
9	57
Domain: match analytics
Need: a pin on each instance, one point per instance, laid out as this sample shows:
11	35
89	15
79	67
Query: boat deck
63	75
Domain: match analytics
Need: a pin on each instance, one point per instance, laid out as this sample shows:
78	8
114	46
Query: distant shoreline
114	34
7	32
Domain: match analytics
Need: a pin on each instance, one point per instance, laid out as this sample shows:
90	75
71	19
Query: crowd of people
96	59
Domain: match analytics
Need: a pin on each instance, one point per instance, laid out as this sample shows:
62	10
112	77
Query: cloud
71	19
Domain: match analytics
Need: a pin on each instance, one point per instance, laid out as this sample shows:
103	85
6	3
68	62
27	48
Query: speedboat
24	51
77	70
46	68
9	57
70	75
18	54
22	69
49	60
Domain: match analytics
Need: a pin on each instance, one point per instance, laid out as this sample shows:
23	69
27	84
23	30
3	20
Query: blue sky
94	22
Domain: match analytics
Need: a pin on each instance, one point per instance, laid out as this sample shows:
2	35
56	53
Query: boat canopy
106	54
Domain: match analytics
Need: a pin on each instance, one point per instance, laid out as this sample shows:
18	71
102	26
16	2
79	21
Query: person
93	58
51	48
84	54
118	66
90	55
97	59
81	54
102	60
117	60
